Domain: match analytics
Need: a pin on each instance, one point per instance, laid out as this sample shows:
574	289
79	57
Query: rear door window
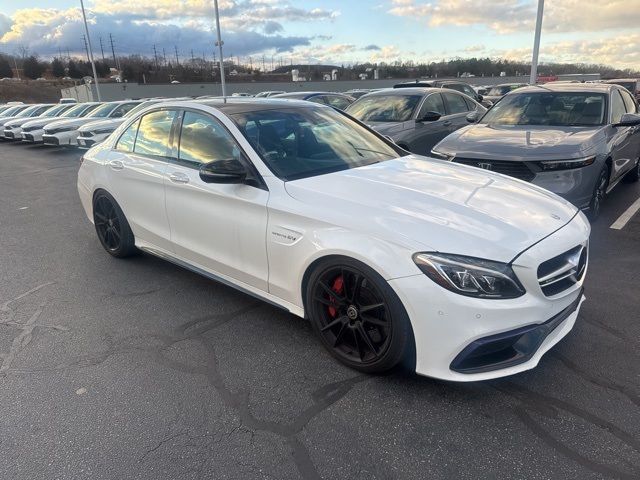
617	107
628	101
154	134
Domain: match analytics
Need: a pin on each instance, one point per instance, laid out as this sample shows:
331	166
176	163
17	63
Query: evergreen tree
32	68
57	68
5	68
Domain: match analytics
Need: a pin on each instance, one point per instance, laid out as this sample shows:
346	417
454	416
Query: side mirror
628	120
480	98
223	171
473	117
430	117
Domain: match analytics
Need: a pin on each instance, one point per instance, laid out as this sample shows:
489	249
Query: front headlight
566	164
473	277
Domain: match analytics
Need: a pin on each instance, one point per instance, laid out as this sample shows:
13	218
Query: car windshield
559	109
29	112
55	111
10	112
76	110
384	108
304	142
499	91
104	110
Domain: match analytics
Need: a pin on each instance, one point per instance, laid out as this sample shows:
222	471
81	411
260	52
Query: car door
218	227
624	146
135	171
457	110
426	134
631	106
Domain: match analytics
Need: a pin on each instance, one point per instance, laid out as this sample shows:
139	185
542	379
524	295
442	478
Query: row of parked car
577	140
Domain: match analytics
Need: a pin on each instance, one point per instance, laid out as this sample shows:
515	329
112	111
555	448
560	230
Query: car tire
112	226
599	193
633	175
357	316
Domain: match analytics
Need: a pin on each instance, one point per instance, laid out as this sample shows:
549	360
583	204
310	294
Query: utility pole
219	44
264	69
155	55
164	55
536	44
113	51
16	64
93	65
86	48
175	47
102	49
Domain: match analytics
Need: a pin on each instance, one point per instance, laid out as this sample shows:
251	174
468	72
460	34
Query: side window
455	103
338	102
470	104
617	107
628	101
203	139
154	134
122	110
469	91
128	138
433	103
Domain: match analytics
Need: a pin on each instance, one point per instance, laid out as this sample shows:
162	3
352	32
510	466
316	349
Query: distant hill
304	68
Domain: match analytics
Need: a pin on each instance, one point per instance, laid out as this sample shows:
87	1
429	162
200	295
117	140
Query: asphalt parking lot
138	369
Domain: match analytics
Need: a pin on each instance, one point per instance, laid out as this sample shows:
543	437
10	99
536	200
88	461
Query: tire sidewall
401	337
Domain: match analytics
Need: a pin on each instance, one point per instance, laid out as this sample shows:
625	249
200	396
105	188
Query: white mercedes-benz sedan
460	273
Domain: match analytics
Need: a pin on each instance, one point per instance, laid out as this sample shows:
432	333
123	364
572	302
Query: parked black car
415	118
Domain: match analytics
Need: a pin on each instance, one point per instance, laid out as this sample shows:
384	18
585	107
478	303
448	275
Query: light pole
219	44
536	44
93	65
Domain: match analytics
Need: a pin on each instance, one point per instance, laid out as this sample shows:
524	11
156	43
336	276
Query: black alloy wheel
598	194
358	317
112	227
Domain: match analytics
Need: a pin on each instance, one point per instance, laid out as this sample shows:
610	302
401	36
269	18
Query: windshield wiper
358	149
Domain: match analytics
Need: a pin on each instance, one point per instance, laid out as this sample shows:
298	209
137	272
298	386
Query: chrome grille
506	167
562	272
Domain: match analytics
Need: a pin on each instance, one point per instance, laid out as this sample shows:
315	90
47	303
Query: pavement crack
549	406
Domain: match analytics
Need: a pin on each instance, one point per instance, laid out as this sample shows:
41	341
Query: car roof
403	91
307	94
568	87
233	105
613	80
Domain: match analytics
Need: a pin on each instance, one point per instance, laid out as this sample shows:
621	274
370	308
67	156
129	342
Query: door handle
177	177
116	164
446	123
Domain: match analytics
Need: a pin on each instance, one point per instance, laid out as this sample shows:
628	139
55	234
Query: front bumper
575	185
61	138
449	327
34	136
12	133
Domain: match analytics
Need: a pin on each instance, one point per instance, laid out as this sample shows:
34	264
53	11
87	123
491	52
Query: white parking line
626	216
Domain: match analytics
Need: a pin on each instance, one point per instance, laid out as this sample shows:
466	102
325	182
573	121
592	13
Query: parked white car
12	113
95	132
466	274
13	128
65	132
33	130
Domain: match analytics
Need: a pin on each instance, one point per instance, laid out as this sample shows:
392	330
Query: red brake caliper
338	287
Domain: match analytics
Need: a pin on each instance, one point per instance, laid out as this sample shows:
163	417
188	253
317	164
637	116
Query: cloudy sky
334	31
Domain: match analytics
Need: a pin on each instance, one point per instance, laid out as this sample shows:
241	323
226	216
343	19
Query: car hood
4	120
71	122
433	205
17	122
519	142
40	122
99	124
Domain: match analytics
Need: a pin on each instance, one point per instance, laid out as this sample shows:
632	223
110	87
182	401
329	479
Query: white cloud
507	16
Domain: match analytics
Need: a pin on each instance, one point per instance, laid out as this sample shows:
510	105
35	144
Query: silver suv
576	140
